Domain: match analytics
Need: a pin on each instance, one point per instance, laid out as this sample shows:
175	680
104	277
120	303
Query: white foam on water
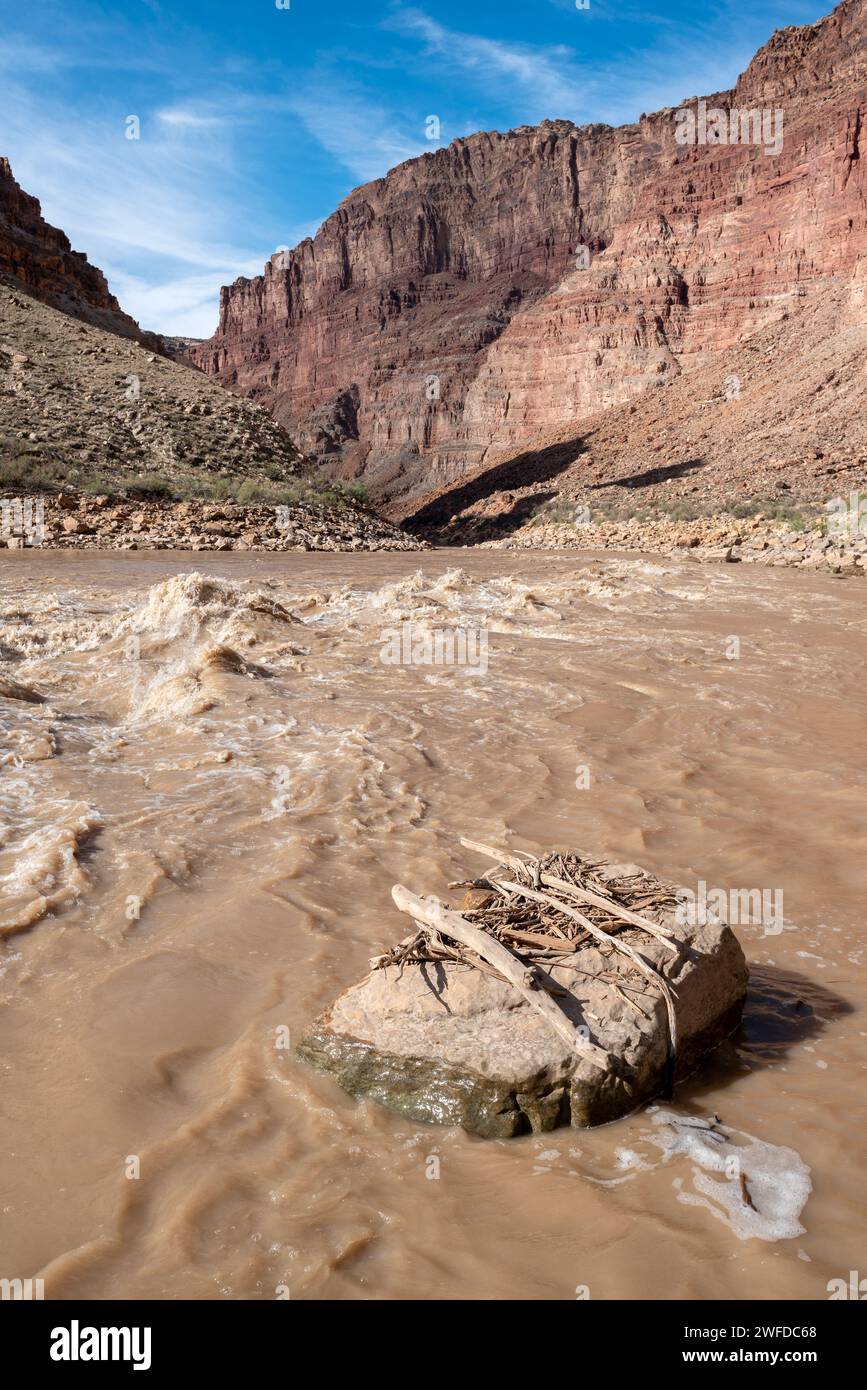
776	1178
188	603
628	1158
40	871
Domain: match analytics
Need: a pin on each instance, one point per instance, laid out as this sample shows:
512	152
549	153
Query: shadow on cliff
652	476
534	466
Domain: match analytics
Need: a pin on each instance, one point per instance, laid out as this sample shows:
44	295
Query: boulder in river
452	1042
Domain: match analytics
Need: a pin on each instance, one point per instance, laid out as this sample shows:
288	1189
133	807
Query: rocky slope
75	522
83	407
40	259
763	423
448	312
106	442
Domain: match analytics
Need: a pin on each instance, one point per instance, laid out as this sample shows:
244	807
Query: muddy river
213	769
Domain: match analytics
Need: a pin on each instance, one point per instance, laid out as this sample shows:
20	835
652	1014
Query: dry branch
432	914
607	939
596	899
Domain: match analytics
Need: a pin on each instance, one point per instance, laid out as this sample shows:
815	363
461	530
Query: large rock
448	1044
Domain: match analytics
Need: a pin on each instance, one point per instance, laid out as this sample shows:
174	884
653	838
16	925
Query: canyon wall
40	259
511	284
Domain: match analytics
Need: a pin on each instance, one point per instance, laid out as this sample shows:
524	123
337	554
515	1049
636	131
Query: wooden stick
609	904
530	938
602	935
662	934
430	912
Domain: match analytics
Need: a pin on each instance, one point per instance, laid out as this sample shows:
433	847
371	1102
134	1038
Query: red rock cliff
40	259
446	310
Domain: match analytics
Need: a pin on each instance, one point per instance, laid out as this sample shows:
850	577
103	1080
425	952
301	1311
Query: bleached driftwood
583	894
608	939
430	912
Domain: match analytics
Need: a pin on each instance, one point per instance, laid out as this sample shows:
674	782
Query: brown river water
200	829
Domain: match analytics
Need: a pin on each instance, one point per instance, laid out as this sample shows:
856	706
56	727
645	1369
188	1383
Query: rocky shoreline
76	522
754	540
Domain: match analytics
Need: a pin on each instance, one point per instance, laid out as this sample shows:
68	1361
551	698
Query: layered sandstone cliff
449	310
40	259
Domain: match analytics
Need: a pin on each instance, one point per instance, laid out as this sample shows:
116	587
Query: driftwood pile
524	913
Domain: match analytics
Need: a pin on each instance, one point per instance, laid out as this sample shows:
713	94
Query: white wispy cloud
20	56
544	77
162	204
186	305
161	215
187	118
359	133
532	81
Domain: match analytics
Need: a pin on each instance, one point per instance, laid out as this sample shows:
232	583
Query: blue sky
256	121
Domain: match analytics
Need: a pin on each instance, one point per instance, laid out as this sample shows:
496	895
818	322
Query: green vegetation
28	468
24	466
608	507
797	516
312	491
